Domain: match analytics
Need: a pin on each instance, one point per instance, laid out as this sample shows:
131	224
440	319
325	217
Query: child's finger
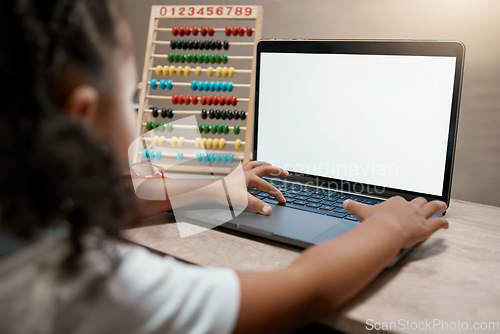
252	164
433	207
258	205
435	224
418	202
269	170
263	185
360	210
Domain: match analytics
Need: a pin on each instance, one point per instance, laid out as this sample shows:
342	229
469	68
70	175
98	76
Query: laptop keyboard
320	201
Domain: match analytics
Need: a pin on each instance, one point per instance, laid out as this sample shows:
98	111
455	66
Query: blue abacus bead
151	154
198	157
194	85
217	86
211	158
212	86
200	85
204	157
224	158
180	156
170	84
223	86
153	84
206	86
218	158
163	84
230	158
144	154
158	155
230	86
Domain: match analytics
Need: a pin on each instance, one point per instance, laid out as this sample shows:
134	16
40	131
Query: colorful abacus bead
180	156
173	141
198	142
236	129
151	154
158	155
149	125
230	158
222	143
218	158
211	158
237	144
170	127
198	157
224	158
144	154
153	84
163	84
204	157
161	140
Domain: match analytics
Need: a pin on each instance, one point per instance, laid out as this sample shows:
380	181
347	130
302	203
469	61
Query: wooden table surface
453	276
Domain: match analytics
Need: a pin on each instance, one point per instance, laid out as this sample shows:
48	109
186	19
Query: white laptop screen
381	120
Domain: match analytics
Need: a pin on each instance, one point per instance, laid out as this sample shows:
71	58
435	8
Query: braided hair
53	170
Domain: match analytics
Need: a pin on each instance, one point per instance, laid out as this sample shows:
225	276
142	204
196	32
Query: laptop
359	119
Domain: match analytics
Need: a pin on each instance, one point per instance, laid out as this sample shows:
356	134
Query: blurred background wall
474	22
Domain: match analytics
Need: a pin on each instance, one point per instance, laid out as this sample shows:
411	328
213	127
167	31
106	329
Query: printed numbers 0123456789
210	11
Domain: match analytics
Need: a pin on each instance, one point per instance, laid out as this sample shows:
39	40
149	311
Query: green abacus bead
224	59
201	58
225	129
212	58
236	129
149	125
176	57
220	128
206	128
200	128
194	58
155	125
161	126
215	128
170	127
189	58
218	59
207	58
170	57
182	58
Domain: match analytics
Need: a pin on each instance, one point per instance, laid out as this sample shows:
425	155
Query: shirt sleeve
152	294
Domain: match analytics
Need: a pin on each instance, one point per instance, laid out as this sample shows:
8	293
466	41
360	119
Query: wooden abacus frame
236	12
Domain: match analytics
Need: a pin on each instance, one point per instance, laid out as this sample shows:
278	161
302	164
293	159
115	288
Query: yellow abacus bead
171	70
218	71
204	142
180	142
237	144
155	140
216	143
161	140
210	71
187	71
210	143
180	70
165	70
197	71
222	143
197	142
231	72
173	141
159	70
225	72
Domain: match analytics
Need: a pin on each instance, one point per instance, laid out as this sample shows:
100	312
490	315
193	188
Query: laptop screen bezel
372	47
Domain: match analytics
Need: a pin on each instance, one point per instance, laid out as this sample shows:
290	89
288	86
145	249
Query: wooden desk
454	275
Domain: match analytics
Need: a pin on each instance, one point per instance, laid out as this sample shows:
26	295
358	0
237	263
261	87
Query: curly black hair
53	170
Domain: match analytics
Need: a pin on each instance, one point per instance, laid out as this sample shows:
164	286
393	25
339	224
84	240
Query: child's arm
326	276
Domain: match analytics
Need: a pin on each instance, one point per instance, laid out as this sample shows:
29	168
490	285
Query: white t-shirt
145	293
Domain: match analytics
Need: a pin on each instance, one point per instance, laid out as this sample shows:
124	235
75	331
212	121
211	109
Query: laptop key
370	201
263	194
300	202
343	196
336	214
289	194
313	205
305	193
317	196
314	200
341	210
253	191
338	205
270	201
327	207
351	217
289	199
326	202
301	197
357	198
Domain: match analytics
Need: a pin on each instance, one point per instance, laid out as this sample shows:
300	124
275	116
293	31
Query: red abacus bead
234	100
222	100
174	99
203	99
181	31
228	31
228	100
215	99
187	30
203	31
210	31
194	99
209	100
249	31
241	31
187	99
235	30
180	99
175	30
195	30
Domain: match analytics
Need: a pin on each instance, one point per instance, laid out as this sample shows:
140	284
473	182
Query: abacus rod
165	56
188	84
159	97
180	112
182	126
190	156
189	141
205	70
230	44
215	29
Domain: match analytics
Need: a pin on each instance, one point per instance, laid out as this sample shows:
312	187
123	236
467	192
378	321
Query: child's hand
254	171
411	218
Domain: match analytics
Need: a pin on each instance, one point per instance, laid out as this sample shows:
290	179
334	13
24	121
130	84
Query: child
66	123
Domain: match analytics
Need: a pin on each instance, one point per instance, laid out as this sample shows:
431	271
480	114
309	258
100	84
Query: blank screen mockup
381	120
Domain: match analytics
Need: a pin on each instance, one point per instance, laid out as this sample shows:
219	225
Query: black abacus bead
207	45
164	113
223	114
219	45
155	112
211	114
226	45
243	115
217	114
196	45
229	114
190	45
170	113
202	45
213	45
173	44
184	44
236	114
204	114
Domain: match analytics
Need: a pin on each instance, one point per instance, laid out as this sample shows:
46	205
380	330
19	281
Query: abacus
204	70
